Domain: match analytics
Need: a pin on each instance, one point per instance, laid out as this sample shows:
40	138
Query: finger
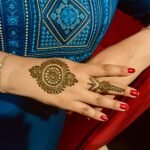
107	70
88	111
103	101
97	109
108	87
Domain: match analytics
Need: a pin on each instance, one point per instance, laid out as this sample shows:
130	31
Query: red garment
82	134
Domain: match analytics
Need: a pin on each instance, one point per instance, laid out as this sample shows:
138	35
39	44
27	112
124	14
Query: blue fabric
45	28
50	28
28	125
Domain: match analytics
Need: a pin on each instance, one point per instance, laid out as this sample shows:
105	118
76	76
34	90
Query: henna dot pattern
53	76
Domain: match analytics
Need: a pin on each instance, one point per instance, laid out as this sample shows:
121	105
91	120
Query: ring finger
107	87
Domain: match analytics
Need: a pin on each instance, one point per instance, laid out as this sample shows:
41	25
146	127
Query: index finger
109	70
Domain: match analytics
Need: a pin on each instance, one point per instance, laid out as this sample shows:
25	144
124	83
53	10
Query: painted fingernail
104	118
124	107
131	70
134	93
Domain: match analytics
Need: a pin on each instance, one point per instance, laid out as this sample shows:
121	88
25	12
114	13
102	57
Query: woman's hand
133	51
66	84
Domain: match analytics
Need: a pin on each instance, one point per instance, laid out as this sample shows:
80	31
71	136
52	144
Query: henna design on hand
53	76
103	86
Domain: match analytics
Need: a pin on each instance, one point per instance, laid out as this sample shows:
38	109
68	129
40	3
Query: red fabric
82	134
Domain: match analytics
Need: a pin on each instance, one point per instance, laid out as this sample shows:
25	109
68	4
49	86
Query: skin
53	76
104	87
127	52
133	55
17	79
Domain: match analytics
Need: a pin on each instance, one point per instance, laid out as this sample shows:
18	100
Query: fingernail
134	93
104	118
131	70
125	107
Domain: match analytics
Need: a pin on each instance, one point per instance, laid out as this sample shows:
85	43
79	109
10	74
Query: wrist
9	73
3	58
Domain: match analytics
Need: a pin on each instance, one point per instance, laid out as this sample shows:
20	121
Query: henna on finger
103	87
53	76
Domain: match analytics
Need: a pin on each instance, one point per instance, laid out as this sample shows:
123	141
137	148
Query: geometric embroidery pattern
54	28
64	20
67	18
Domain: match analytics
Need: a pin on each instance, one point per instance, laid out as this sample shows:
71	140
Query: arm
62	83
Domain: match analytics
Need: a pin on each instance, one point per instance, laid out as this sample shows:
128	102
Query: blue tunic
45	28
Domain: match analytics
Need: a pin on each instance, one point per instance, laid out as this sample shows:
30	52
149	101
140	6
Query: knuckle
93	68
115	105
98	100
96	67
106	68
103	98
85	110
123	70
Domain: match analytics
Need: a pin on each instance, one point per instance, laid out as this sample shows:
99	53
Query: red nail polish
124	106
131	70
104	118
134	93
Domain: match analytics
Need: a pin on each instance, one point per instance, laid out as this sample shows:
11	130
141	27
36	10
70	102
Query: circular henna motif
53	76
